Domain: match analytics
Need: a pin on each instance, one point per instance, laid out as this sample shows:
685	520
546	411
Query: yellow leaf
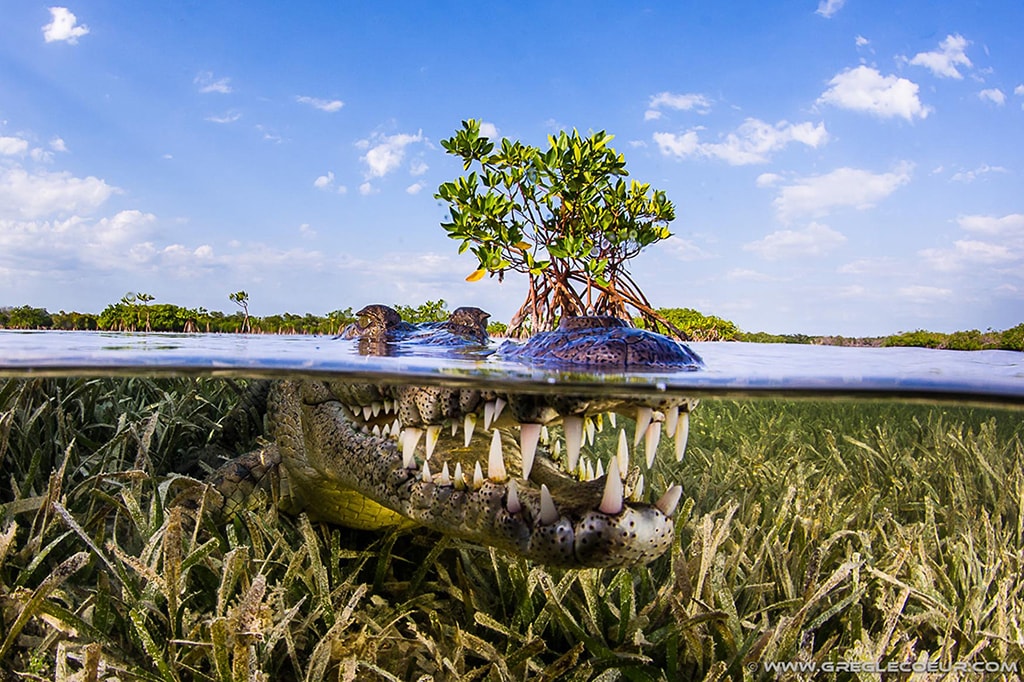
523	246
476	275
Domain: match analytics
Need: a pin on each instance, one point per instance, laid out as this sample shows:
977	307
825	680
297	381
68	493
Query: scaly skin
333	466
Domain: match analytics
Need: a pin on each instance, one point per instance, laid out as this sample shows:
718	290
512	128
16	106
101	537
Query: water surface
730	369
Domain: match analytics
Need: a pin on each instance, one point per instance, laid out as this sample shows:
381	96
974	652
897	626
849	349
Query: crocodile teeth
638	490
367	412
478	477
410	439
427	478
433	433
588	424
469	423
389	407
492	411
446	478
375	408
529	434
682	434
590	469
671	417
668	502
611	419
545	437
599	469
376	430
460	478
495	461
611	500
512	501
643	419
622	455
548	510
455	428
573	427
651	439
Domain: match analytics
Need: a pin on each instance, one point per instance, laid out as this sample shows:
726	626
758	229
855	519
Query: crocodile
472	463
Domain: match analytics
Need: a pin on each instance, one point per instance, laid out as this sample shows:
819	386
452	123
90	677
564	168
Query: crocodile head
489	465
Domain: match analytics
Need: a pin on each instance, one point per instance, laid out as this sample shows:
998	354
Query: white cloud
330	106
880	265
1012	224
1019	90
677	101
745	274
972	175
367	188
57	145
414	188
814	240
861	41
385	153
865	89
817	194
63	26
207	83
768	179
324	181
827	8
944	61
994	95
418	167
13	146
42	194
229	117
753	142
685	249
924	294
488	130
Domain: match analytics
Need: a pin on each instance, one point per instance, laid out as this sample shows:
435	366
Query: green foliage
1013	338
765	337
431	311
700	327
919	339
565	217
25	317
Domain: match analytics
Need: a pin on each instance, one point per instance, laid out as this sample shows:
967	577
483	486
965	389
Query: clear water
730	369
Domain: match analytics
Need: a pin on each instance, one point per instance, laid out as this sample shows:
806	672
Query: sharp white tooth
548	510
446	478
581	472
611	501
488	414
599	469
376	430
556	450
396	427
389	407
545	436
375	408
433	433
529	434
599	421
611	419
651	439
460	478
588	424
512	500
667	503
367	412
671	417
410	439
478	477
682	434
590	471
495	460
469	423
573	427
499	405
455	427
643	418
622	455
638	490
427	478
365	429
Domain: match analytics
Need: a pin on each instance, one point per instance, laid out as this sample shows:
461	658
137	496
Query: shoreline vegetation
818	534
138	313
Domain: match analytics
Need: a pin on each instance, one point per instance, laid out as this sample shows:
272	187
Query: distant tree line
137	312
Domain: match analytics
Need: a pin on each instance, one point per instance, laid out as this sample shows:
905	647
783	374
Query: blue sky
837	167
